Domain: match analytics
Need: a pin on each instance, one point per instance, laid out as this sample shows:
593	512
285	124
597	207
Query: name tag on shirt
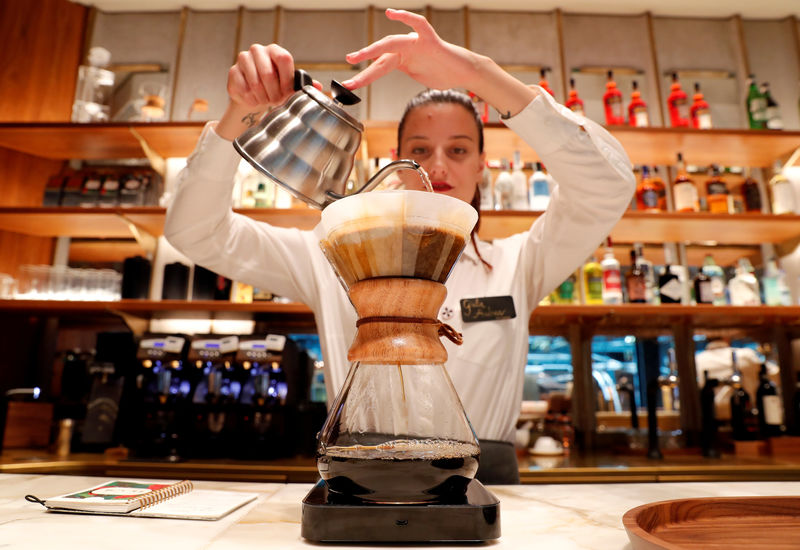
488	308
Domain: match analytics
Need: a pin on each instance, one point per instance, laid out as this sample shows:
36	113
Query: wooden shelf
545	318
698	228
665	316
652	146
177	139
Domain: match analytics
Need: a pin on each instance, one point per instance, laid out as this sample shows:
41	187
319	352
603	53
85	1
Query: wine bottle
742	425
770	410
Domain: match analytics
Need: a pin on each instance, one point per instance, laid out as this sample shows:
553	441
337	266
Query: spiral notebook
152	499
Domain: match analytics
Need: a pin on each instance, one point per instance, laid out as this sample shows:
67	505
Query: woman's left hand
421	54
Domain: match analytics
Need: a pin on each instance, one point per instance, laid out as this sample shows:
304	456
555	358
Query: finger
267	73
413	20
388	44
248	68
384	65
284	68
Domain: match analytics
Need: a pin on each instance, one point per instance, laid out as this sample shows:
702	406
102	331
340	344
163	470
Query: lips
441	186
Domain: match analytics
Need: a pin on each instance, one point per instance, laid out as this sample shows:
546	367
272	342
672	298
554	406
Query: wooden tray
728	523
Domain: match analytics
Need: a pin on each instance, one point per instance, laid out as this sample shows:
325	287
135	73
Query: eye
459	150
419	151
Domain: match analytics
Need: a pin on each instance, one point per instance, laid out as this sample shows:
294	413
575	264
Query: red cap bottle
700	111
637	109
678	104
612	100
574	103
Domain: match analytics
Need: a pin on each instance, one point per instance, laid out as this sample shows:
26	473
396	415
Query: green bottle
756	106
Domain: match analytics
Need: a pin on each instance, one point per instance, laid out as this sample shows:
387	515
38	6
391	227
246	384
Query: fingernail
347	84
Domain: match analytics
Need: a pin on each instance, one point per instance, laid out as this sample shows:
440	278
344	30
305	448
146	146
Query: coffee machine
161	396
215	396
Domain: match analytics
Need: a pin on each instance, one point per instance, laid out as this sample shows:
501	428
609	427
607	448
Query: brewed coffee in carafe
397	432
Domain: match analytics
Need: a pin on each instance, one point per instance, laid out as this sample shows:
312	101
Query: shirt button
447	313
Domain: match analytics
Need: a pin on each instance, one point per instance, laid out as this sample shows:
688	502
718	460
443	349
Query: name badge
488	308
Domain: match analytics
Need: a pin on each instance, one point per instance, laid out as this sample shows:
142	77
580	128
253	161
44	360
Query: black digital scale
328	518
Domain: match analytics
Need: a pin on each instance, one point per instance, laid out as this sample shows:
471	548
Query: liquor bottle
743	287
612	101
636	282
782	192
717	194
751	195
717	279
776	291
770	410
774	121
519	184
647	199
544	83
249	199
743	423
637	109
260	196
661	189
612	277
574	103
503	188
539	189
796	406
646	266
670	289
592	282
485	187
565	293
684	191
756	105
702	288
700	111
678	104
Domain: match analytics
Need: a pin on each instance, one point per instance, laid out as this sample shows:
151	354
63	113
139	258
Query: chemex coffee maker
397	455
163	389
215	395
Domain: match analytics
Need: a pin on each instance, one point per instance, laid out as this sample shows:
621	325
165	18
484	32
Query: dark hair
454	97
441	96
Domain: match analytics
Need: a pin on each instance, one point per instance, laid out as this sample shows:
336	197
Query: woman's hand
421	54
261	78
434	63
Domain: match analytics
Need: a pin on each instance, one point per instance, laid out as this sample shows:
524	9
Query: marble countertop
542	516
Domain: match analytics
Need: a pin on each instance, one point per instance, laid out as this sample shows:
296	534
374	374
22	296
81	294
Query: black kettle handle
302	78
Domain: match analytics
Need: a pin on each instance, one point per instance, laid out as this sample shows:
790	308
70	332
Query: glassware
397	432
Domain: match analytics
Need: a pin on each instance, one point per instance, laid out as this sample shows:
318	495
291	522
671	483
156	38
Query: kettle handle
302	78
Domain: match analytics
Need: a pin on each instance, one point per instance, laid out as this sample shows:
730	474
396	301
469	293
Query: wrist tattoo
250	119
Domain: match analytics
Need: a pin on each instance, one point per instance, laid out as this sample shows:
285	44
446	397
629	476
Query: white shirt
595	186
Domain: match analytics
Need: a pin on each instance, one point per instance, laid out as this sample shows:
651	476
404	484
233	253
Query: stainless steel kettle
308	144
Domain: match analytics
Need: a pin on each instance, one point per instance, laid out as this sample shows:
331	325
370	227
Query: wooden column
783	345
583	396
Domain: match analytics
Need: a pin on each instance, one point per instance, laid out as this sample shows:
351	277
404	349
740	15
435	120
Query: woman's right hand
262	77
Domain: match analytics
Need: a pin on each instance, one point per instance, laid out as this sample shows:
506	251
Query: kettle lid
341	97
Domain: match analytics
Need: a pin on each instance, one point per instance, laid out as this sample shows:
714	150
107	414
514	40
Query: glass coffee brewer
397	454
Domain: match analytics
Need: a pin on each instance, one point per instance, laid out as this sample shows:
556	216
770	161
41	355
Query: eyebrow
456	136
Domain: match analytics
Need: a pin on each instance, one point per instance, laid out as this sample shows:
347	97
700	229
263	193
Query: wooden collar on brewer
444	329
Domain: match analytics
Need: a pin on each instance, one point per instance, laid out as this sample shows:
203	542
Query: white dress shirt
595	184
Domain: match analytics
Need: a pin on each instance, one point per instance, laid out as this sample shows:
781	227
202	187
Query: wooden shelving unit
177	139
699	228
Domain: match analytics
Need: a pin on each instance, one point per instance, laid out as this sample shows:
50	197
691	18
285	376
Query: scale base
476	520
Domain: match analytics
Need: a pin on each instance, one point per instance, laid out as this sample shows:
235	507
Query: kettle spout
392	167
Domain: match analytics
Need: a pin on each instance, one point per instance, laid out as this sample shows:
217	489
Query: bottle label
758	109
752	198
773	412
650	198
641	120
672	289
594	287
718	290
637	289
704	120
717	188
782	198
612	280
540	188
685	196
705	292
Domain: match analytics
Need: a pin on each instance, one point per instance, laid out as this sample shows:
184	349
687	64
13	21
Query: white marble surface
562	517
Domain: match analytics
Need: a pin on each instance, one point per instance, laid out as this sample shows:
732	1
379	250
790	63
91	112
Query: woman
442	132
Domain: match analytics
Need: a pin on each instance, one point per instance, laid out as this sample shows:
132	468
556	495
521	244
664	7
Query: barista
442	132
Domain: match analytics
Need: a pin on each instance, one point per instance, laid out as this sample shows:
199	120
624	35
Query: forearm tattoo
250	119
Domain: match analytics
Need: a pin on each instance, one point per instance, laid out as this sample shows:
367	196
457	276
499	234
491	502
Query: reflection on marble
563	517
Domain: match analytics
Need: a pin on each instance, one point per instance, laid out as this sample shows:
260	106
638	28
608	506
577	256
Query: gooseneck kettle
308	144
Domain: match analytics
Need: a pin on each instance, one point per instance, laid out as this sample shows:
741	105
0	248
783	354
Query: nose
437	167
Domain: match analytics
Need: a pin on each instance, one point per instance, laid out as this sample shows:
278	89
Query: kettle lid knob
342	94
